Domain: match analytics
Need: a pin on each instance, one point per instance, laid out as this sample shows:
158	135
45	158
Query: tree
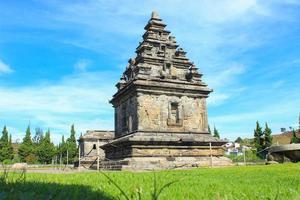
37	140
26	148
259	140
4	137
46	149
6	150
72	146
216	133
62	149
239	140
10	140
38	137
258	137
294	138
209	129
267	136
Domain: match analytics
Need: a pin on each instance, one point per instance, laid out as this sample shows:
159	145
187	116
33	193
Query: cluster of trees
294	138
39	149
262	139
215	132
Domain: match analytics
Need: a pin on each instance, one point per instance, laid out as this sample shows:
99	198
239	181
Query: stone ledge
162	163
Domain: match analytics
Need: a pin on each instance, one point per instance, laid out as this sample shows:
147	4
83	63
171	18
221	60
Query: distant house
234	148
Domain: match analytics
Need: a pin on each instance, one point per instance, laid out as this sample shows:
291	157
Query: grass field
250	182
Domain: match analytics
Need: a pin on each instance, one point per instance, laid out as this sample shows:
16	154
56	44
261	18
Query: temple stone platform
156	151
163	163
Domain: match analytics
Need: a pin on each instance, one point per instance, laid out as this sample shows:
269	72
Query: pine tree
239	140
216	133
267	136
72	146
38	137
10	140
6	150
26	148
46	149
258	140
62	149
72	136
209	129
4	137
36	141
10	148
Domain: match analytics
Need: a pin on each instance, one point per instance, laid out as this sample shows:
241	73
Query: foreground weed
4	177
156	191
8	182
116	185
154	195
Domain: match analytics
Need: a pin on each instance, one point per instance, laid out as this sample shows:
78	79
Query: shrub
251	156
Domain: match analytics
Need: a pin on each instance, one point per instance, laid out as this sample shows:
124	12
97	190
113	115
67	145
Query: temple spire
158	57
154	15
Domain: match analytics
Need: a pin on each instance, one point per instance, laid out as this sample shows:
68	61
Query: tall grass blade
164	187
117	186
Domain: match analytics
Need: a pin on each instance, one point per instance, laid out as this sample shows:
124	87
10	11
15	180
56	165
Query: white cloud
97	23
278	84
296	62
231	124
217	99
215	34
4	68
82	65
221	81
224	76
81	99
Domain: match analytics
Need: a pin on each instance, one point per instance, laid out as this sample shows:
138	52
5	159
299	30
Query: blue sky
60	60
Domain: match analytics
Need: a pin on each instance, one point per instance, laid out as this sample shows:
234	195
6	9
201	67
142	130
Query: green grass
251	182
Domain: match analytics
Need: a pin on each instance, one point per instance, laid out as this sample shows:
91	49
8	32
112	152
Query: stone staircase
110	165
90	162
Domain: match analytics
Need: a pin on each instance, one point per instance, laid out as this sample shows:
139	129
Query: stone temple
160	111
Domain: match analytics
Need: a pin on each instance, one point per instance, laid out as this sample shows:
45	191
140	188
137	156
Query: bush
7	162
251	156
31	159
16	159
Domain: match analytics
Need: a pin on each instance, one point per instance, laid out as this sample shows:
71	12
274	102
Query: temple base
157	151
163	163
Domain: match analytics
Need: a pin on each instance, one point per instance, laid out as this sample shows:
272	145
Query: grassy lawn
250	182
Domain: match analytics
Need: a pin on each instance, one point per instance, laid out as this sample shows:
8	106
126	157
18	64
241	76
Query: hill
284	138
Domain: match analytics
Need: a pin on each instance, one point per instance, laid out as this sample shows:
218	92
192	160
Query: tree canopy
267	136
26	148
216	132
6	149
262	139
